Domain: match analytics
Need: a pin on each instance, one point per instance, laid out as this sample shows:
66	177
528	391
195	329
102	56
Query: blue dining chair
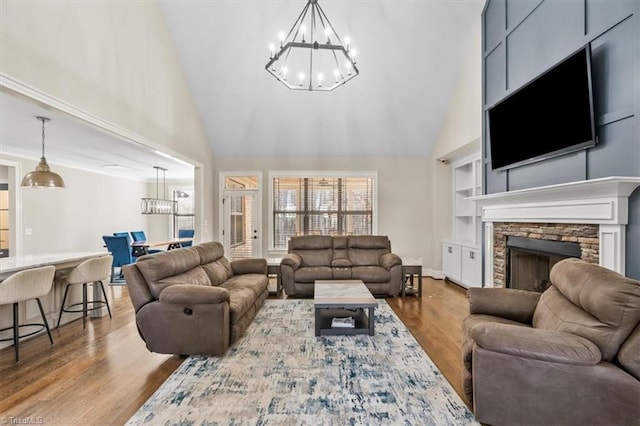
186	233
141	236
138	236
123	234
129	240
121	251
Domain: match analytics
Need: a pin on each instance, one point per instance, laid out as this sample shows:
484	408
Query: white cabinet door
471	265
451	261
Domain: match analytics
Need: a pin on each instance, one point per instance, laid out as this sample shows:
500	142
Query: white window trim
15	236
272	174
179	187
221	178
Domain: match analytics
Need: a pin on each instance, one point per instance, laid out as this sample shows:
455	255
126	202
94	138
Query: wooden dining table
140	248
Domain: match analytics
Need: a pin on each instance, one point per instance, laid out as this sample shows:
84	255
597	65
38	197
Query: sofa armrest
249	266
292	260
513	304
389	260
193	295
536	343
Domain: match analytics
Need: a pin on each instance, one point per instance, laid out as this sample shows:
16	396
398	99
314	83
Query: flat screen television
549	116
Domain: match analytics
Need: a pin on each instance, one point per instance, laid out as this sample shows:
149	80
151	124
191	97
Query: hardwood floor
103	374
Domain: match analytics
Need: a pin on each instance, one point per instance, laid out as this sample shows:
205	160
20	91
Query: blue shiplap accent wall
521	39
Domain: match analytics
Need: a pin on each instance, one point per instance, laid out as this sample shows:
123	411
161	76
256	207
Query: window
237	221
184	217
329	205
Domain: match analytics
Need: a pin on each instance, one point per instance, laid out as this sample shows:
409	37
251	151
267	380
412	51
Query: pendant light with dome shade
42	176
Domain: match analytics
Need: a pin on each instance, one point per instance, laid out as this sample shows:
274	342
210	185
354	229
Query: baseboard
436	275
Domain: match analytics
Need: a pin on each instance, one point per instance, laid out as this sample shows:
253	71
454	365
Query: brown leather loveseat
193	300
567	356
354	257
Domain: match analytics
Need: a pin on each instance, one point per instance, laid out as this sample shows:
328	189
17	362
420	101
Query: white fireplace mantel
602	201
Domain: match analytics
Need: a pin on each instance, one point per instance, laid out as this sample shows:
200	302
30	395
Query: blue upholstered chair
123	234
186	233
129	240
121	251
140	236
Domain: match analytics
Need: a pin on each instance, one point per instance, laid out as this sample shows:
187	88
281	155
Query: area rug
278	372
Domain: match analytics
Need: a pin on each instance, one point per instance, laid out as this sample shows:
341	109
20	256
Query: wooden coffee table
340	299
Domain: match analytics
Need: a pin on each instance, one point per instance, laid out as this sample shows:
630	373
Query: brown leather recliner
570	355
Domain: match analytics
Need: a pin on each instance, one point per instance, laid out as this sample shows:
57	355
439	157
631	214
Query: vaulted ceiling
410	57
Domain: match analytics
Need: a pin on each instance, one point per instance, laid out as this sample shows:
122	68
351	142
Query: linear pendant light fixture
158	205
42	176
312	56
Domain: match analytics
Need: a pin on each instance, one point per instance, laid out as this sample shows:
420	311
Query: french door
240	226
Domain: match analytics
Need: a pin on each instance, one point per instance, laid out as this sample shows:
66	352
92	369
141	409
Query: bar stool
91	271
22	286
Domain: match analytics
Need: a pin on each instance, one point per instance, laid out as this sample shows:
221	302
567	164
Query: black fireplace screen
529	261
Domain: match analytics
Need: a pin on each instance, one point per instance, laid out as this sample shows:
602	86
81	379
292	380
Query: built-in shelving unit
461	255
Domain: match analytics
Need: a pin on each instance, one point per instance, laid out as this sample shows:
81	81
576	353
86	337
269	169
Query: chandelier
42	176
312	56
158	205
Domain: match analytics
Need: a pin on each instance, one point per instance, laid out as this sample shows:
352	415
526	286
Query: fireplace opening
529	261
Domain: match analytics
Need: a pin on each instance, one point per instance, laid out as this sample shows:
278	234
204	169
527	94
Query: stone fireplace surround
592	212
584	234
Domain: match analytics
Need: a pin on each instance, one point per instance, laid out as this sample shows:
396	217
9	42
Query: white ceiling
73	144
410	57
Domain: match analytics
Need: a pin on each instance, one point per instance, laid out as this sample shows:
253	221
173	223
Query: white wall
463	122
75	218
405	201
459	136
414	194
116	61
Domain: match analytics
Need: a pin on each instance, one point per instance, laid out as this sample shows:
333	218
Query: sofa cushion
341	263
590	301
180	266
210	252
365	250
315	250
340	250
320	257
308	274
369	242
218	271
310	242
629	354
241	299
258	283
370	274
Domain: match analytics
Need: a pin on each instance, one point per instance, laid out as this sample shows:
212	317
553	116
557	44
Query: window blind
321	206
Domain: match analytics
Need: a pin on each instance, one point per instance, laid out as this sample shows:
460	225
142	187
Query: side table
273	270
411	271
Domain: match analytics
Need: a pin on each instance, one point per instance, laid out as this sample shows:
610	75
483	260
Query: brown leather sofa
568	356
355	257
193	300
